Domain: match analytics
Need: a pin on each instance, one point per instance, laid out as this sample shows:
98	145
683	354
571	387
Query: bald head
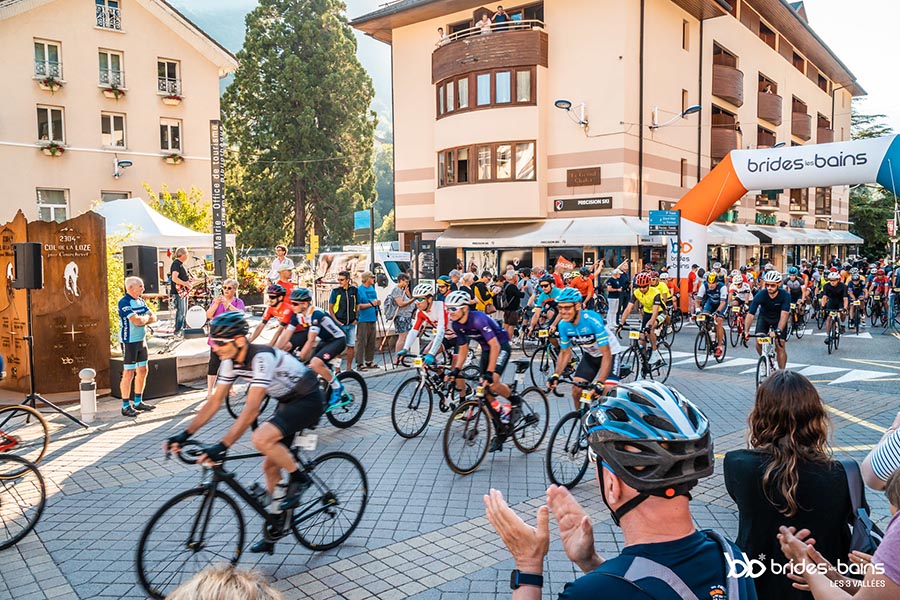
134	286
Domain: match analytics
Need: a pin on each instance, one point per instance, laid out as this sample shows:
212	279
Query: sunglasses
545	285
454	309
565	306
299	302
771	285
228	287
341	280
417	300
218	342
274	297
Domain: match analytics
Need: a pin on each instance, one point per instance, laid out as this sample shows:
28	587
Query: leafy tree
870	205
384	188
298	124
386	232
185	207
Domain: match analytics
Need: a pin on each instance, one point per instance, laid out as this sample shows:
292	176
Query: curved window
487	163
513	86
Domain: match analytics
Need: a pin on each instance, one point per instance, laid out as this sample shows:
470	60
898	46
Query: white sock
335	384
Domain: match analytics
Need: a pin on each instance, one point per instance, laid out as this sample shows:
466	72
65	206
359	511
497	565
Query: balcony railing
800	125
824	135
46	68
168	85
768	107
723	139
108	17
492	28
519	44
112	78
728	83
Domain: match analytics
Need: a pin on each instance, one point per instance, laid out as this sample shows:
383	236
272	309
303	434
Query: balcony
768	107
112	78
723	139
801	125
108	17
728	84
522	43
46	68
168	85
824	135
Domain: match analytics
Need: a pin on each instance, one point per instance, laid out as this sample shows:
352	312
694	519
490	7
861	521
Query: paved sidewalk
424	534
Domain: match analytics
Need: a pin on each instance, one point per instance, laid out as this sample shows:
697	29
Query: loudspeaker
162	377
29	266
142	261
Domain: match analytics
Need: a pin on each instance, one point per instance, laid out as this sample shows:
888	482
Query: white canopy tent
149	228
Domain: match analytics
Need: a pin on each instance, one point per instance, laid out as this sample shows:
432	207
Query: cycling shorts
502	359
711	308
325	351
298	413
834	304
298	339
134	355
763	325
589	367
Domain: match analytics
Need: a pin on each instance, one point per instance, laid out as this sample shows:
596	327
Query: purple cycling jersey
480	328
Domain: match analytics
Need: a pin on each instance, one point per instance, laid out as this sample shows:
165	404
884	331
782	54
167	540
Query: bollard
88	394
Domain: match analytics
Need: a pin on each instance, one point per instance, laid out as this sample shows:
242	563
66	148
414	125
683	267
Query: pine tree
298	126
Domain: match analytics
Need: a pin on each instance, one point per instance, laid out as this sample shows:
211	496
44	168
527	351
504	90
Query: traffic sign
664	222
362	219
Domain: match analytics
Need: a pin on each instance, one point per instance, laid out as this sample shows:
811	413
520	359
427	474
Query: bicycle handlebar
189	452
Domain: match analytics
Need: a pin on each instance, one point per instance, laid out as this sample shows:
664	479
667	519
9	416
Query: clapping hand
575	528
528	545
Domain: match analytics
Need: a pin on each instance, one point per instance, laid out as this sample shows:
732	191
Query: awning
584	231
802	236
845	237
604	231
726	234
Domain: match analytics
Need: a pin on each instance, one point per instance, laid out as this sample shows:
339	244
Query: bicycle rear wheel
22	499
701	349
529	429
334	504
567	457
466	437
659	371
762	370
193	530
735	332
820	318
23	433
356	394
677	320
411	408
630	365
799	326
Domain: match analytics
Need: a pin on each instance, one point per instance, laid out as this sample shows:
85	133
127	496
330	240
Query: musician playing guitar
182	284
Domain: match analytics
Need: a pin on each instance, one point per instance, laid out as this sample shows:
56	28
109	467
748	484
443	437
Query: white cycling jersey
282	375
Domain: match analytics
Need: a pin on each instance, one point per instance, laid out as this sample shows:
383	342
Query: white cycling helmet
737	280
716	266
772	276
423	290
833	276
457	298
663	276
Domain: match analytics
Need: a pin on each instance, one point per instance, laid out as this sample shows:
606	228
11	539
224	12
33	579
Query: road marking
734	362
859	375
853	419
820	370
854	448
848	336
874	363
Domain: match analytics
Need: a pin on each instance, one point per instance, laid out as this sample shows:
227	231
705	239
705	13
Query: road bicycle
638	362
797	320
22	498
567	448
856	309
768	360
473	424
877	312
23	433
736	315
705	342
820	314
834	331
545	357
414	399
529	343
205	525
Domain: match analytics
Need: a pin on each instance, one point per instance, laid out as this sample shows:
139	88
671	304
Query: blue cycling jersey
128	306
479	328
319	323
589	333
545	297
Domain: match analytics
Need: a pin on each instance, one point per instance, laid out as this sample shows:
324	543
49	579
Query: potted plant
173	159
172	99
53	149
114	91
50	83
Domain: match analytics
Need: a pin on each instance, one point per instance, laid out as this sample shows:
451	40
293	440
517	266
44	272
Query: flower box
173	159
172	100
50	84
114	93
53	150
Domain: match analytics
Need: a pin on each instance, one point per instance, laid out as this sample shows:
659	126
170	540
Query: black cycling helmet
229	325
547	279
584	271
652	438
301	295
276	290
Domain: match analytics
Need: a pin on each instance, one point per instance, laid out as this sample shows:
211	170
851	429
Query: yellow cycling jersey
664	292
647	299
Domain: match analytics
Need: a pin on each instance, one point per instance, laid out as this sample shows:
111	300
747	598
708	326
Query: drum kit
201	296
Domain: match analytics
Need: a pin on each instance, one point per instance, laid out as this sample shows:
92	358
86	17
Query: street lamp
566	105
655	124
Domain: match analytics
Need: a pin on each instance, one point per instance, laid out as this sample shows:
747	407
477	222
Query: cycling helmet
424	290
642	279
854	271
654	275
457	298
663	276
276	290
820	266
855	277
444	279
229	325
737	280
568	295
548	279
743	269
716	266
652	438
834	276
794	271
585	272
769	267
568	276
880	272
772	276
712	277
301	295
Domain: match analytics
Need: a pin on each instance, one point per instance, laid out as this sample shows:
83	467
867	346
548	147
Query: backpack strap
854	484
732	585
642	568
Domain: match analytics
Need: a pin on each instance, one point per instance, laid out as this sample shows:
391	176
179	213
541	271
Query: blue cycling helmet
228	325
276	290
793	271
568	295
301	295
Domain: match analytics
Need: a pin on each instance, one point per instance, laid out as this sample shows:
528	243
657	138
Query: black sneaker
263	545
294	492
496	444
144	407
127	411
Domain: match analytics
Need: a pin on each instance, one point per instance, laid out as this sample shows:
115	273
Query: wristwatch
517	579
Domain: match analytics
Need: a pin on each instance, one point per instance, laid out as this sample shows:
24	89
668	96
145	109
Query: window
108	16
492	89
167	80
764	138
52	205
798	62
767	35
50	124
766	85
113	196
823	200
684	103
502	161
685	35
721	56
112	127
483	89
523	86
799	200
503	87
111	73
462	93
46	60
684	173
822	82
440	100
170	135
450	95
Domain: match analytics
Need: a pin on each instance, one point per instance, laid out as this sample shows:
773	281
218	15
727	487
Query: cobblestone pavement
424	534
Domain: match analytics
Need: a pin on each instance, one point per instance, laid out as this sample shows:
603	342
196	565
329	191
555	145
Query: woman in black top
787	477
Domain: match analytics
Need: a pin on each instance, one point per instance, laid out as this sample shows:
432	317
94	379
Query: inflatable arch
816	165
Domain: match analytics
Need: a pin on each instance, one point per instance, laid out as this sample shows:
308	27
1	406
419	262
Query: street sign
890	227
664	222
361	219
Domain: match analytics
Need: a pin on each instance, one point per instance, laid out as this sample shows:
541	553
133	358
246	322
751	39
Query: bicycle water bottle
277	497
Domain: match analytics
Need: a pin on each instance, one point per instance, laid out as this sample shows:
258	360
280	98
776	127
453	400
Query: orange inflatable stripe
713	195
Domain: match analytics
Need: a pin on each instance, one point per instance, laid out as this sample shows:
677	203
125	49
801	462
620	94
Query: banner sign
216	152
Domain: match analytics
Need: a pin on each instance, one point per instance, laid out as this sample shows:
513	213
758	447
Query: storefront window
570	255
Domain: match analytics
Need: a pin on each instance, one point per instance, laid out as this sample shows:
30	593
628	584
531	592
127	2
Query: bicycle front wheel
799	327
23	433
22	499
762	370
466	437
567	456
353	402
660	369
531	426
701	349
735	333
629	365
677	320
193	530
333	506
543	364
411	408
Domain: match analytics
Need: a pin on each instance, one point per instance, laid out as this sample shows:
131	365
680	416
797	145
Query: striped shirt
886	456
282	375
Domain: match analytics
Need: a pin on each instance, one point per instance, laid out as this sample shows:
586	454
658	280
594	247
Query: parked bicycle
567	456
205	525
472	425
23	433
414	399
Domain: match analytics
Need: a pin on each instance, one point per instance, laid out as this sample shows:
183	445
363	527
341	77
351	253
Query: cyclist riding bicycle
739	291
834	297
472	325
879	287
275	310
545	304
712	297
323	341
272	372
429	313
794	285
586	329
774	306
651	313
856	289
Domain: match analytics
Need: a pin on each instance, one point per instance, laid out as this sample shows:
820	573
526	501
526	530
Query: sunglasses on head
219	342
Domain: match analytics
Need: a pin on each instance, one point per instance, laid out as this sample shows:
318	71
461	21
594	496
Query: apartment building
551	135
101	97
